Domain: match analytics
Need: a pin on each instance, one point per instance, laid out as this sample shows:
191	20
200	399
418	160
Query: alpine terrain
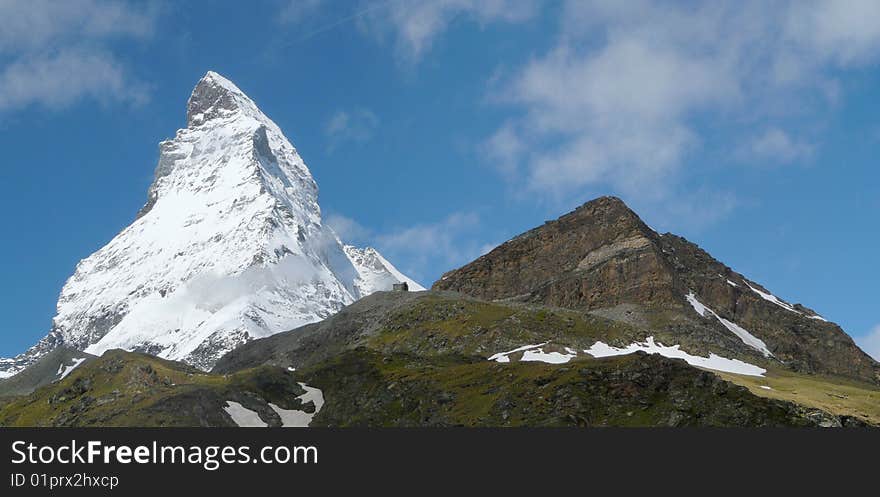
260	316
228	248
592	319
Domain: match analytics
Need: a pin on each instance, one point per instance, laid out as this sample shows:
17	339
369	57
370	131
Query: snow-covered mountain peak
216	97
230	246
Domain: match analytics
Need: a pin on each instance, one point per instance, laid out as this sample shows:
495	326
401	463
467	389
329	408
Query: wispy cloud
57	80
617	104
294	11
423	249
870	343
356	125
349	230
414	25
776	146
441	245
58	52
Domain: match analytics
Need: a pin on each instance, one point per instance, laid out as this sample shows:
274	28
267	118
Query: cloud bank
617	102
56	53
870	343
446	243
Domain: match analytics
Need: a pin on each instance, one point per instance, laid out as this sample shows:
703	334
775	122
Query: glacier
229	247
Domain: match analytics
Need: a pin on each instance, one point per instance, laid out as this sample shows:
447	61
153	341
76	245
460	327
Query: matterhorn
229	247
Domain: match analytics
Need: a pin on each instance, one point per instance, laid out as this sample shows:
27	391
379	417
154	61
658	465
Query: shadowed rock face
599	255
208	100
50	368
602	256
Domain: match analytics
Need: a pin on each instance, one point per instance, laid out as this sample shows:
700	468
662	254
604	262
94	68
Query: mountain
441	358
589	320
52	367
133	389
420	359
580	293
229	247
601	258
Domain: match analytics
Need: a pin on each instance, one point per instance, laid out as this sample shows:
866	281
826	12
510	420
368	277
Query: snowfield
743	334
242	416
536	353
714	362
229	247
290	418
63	370
769	297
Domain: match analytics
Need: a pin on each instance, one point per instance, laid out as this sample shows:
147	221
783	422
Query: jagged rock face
599	255
800	338
602	258
429	358
229	247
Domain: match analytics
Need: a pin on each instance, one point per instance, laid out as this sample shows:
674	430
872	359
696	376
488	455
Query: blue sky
438	128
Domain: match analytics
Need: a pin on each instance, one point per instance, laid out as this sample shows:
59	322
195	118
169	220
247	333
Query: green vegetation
840	396
366	388
440	324
423	363
130	389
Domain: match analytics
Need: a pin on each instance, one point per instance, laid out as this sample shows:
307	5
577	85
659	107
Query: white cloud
443	245
421	249
294	11
57	52
445	240
349	230
60	79
488	247
777	146
415	24
618	103
357	125
505	149
32	25
870	343
845	31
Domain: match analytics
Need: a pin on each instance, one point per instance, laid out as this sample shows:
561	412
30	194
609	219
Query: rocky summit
230	246
602	259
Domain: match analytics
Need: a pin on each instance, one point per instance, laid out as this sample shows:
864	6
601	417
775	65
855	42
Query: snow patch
743	334
765	387
713	362
503	356
536	353
66	370
292	418
243	416
549	357
773	298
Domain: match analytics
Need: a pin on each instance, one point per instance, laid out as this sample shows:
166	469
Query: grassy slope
129	389
468	324
440	324
840	396
425	365
366	388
